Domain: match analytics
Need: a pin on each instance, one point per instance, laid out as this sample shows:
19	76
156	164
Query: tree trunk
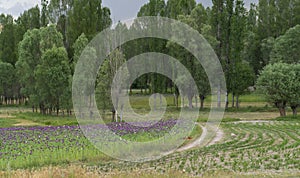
190	98
281	107
232	100
202	101
282	112
176	100
116	116
219	96
294	109
154	107
113	115
121	114
237	102
160	101
226	101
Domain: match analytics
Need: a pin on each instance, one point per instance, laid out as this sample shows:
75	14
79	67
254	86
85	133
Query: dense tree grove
256	46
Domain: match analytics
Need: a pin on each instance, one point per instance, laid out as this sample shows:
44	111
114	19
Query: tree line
39	49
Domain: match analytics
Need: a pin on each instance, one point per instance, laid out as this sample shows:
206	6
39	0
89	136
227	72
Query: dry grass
23	122
86	172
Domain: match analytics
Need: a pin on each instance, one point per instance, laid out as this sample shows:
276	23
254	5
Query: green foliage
78	48
29	58
280	83
50	38
88	17
43	74
105	79
52	77
7	40
242	77
266	49
7	80
175	8
200	15
153	8
287	47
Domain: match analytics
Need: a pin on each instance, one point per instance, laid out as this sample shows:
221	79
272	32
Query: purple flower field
60	143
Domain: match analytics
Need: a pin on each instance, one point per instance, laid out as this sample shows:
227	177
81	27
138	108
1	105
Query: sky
120	9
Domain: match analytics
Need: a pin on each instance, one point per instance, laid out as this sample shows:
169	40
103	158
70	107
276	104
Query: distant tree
105	79
7	40
88	17
267	46
296	15
199	13
153	8
237	82
280	83
7	82
157	83
294	89
31	49
78	48
287	47
244	78
175	8
44	13
52	79
188	60
50	38
29	57
30	19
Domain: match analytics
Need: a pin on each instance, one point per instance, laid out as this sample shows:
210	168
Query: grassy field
255	142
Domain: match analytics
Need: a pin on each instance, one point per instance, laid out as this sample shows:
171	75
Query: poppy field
25	147
269	146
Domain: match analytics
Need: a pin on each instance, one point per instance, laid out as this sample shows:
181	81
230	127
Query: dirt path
6	116
20	122
217	138
23	122
196	142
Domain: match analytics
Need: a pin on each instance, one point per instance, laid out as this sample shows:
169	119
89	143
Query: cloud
120	9
16	7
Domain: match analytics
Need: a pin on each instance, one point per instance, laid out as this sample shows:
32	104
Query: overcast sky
120	9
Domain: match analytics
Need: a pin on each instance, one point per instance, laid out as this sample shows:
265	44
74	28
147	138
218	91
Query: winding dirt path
20	122
23	122
217	138
196	142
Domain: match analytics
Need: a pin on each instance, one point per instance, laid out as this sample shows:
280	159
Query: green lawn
6	123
